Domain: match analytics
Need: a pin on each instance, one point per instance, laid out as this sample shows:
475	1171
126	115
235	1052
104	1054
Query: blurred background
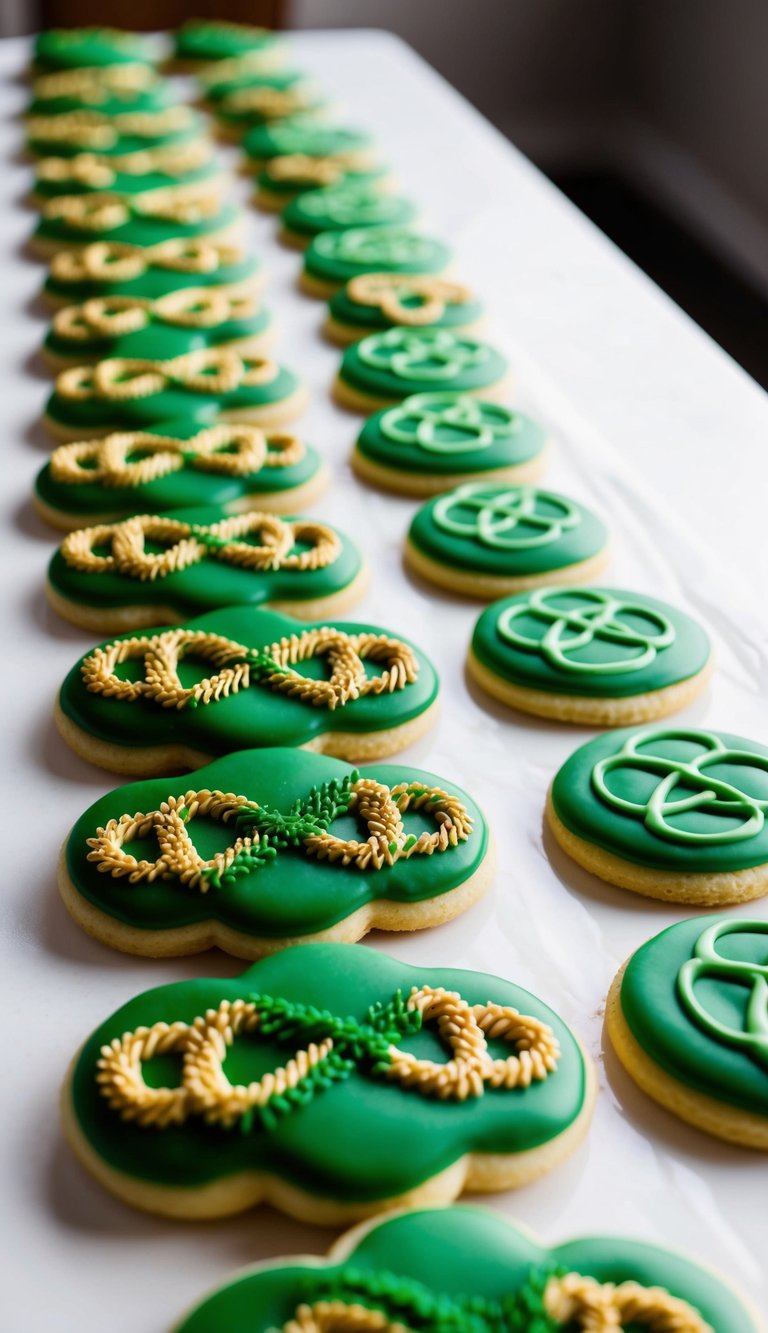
650	114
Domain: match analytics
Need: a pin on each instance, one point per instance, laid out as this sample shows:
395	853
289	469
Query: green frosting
337	256
160	339
510	531
210	583
298	134
255	716
399	362
291	894
140	229
209	39
107	101
369	318
435	433
219	85
75	48
459	1270
124	182
392	1138
193	129
694	998
289	189
596	642
240	117
156	278
189	486
346	205
669	798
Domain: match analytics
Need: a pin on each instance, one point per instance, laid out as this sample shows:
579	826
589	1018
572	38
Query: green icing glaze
694	998
511	531
187	487
671	799
474	1262
399	362
393	1138
107	101
337	256
75	48
305	136
209	39
208	584
288	189
292	894
124	182
162	338
346	205
155	278
219	86
140	228
254	716
121	144
597	642
435	433
343	308
240	116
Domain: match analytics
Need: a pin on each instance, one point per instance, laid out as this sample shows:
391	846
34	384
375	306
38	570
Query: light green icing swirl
448	423
708	963
505	518
431	354
571	630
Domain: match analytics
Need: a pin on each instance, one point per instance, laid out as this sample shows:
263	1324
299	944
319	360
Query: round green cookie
164	568
376	301
432	441
91	48
333	257
342	206
592	655
208	40
104	268
137	220
476	1271
687	1019
672	813
304	136
484	539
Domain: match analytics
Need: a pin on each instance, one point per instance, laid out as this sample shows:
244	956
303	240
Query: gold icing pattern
134	458
99	172
210	370
187	308
95	130
388	291
595	1307
114	261
185	204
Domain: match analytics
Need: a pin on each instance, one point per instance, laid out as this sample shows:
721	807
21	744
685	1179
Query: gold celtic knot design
707	963
185	204
115	261
186	544
589	1306
269	103
134	458
99	173
301	169
93	81
508	518
431	354
448	423
209	370
188	308
412	299
95	130
601	617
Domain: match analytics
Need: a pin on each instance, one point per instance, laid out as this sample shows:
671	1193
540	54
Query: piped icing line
97	172
103	212
93	81
211	371
116	261
86	129
187	308
135	458
707	963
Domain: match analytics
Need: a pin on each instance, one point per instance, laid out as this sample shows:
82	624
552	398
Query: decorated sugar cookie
166	168
200	41
671	813
354	691
337	207
193	214
110	90
376	301
213	384
334	257
127	327
475	1271
263	104
285	177
156	569
91	48
432	441
600	656
105	268
308	138
225	77
686	1017
344	1104
97	132
174	465
484	539
244	855
385	368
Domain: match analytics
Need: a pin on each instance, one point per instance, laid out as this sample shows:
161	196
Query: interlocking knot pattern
599	618
210	370
344	205
237	667
372	246
114	261
413	299
707	963
97	131
448	423
104	212
301	169
431	354
188	308
685	786
135	458
506	518
186	544
589	1306
99	173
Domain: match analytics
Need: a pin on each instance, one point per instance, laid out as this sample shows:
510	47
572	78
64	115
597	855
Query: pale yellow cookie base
45	247
343	335
292	240
290	500
487	587
316	287
158	760
121	619
354	400
587	711
253	345
695	890
697	1108
270	414
425	484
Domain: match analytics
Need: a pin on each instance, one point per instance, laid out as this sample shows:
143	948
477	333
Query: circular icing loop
134	458
575	628
372	246
189	307
117	262
345	204
388	292
99	173
432	354
210	370
339	1316
500	512
698	791
708	963
419	419
84	169
381	808
593	1307
538	1049
121	1081
106	212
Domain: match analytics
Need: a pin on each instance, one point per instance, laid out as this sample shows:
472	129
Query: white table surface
656	428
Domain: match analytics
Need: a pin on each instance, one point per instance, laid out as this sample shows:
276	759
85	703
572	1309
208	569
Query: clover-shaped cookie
376	301
333	257
258	678
387	367
330	1080
190	213
104	268
466	1270
266	847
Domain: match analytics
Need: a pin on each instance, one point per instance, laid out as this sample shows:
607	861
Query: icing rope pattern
237	667
262	832
113	261
372	246
210	370
391	293
686	787
94	129
187	308
99	173
707	963
134	458
432	354
186	544
93	81
600	618
99	212
425	420
333	1049
507	518
301	169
